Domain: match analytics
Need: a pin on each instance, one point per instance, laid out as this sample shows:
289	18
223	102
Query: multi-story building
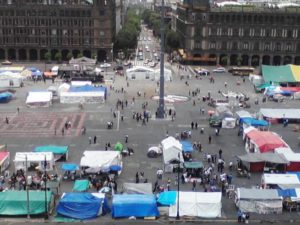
31	28
246	34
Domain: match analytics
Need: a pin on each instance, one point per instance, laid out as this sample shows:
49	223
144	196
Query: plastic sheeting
167	198
52	148
69	167
134	205
199	204
14	203
187	146
140	188
254	122
5	97
81	185
79	206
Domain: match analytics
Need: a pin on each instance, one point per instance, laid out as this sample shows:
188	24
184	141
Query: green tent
119	147
14	203
81	185
52	148
193	165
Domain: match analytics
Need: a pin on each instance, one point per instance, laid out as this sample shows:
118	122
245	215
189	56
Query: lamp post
178	180
45	181
27	187
161	107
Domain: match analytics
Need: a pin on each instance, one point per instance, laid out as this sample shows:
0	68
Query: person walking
194	185
90	140
196	125
62	131
6	120
126	138
18	109
192	125
95	139
220	153
137	178
209	139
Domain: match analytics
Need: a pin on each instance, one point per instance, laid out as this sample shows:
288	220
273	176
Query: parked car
219	70
6	62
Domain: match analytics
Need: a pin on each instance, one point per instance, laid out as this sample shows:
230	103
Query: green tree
58	56
47	56
239	60
69	56
79	55
172	40
224	60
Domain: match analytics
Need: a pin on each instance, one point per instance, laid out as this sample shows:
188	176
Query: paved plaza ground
33	127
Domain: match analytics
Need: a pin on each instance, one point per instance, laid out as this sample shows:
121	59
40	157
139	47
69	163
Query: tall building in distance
31	28
238	33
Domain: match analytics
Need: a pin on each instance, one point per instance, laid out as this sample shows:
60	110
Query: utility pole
161	107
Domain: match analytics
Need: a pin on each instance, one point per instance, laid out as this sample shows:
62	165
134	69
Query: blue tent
187	146
35	71
5	97
69	167
254	122
81	206
137	205
287	193
167	198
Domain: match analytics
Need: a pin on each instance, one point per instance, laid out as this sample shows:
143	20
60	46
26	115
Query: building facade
238	35
31	28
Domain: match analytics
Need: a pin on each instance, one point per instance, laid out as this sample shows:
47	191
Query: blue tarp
69	167
287	193
254	122
5	97
80	206
137	205
88	88
167	198
35	71
55	149
187	146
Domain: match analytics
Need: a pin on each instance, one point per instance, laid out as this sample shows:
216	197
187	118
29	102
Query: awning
81	185
263	157
187	146
193	165
286	73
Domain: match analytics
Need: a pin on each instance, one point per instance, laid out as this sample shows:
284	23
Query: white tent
63	88
34	160
10	79
82	97
262	201
172	152
80	83
280	113
100	160
228	123
167	74
198	204
139	73
39	99
284	181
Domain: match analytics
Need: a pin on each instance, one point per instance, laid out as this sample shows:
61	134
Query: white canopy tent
280	113
34	160
284	181
96	161
39	99
139	73
167	74
198	204
172	152
82	97
10	79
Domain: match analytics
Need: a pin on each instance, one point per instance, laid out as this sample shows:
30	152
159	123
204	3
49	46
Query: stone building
31	28
240	34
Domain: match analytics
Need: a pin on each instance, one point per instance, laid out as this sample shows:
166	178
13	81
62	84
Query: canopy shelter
139	188
257	162
39	99
119	147
263	141
81	185
34	160
291	114
261	201
70	167
167	74
172	152
136	205
254	122
35	72
193	165
281	74
60	152
140	73
4	161
167	198
187	146
82	206
5	97
283	181
291	157
154	152
293	194
95	161
198	204
14	203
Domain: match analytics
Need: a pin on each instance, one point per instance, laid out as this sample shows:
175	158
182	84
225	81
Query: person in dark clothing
196	125
192	125
194	185
220	153
95	139
137	178
209	139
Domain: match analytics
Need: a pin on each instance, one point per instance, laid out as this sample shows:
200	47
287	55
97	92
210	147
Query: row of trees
127	37
152	19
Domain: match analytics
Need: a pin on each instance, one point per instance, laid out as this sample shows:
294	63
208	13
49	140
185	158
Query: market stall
34	160
172	153
282	181
4	161
59	152
39	99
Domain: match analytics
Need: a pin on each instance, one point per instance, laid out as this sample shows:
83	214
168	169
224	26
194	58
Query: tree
224	60
255	61
239	60
69	56
94	56
80	55
58	56
172	40
47	56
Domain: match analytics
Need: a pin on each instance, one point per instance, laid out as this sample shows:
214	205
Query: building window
53	32
289	47
267	47
295	33
262	32
241	32
246	45
256	46
212	45
102	33
278	47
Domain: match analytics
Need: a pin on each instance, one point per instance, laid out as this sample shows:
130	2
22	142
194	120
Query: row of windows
52	2
256	46
254	32
45	22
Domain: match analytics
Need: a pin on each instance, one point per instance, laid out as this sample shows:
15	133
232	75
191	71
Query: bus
241	71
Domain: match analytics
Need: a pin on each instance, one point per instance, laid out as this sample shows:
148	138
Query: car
105	65
219	70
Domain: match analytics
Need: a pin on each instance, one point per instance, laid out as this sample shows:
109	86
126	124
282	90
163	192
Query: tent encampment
82	205
271	113
136	205
139	73
35	160
172	152
254	122
283	181
198	204
95	161
139	188
154	152
255	162
14	203
187	146
291	157
39	99
262	201
60	152
167	74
